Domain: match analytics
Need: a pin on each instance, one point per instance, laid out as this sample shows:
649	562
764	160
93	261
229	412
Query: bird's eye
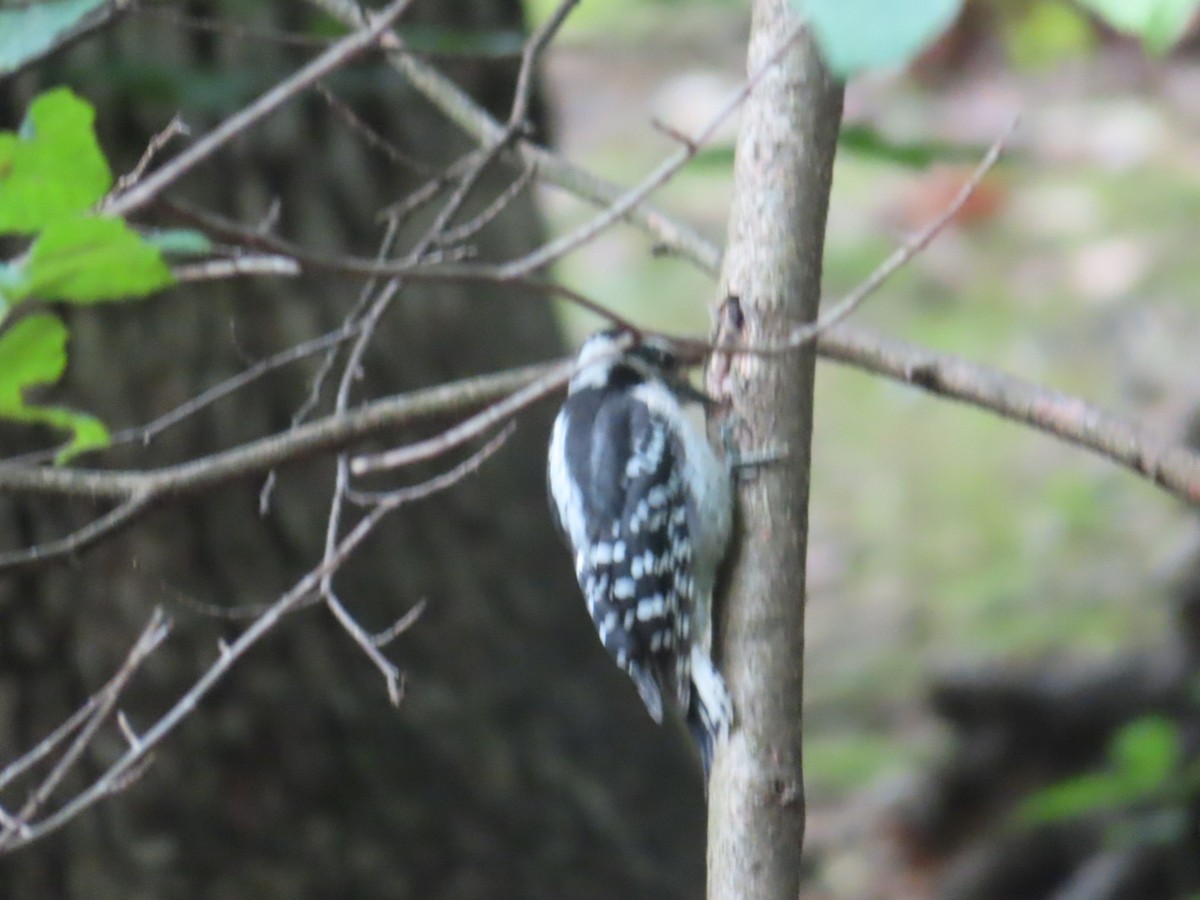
659	358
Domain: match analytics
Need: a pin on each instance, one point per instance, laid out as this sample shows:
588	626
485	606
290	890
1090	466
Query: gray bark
782	175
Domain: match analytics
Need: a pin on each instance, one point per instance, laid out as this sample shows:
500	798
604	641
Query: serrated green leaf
25	34
1159	23
868	34
88	259
180	242
53	167
34	352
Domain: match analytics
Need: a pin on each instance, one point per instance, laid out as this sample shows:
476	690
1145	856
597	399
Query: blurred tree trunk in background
521	763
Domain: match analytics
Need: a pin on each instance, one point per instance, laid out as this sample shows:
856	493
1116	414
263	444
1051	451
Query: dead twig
18	827
137	196
370	644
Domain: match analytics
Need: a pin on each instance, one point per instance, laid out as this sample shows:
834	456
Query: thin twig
370	644
80	539
132	762
175	128
401	625
905	252
236	267
530	55
466	430
416	272
438	483
468	229
390	671
370	136
337	55
427	242
152	636
620	207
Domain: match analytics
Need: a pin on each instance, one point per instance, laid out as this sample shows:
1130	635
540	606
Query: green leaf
866	141
1159	23
53	167
1144	757
1074	797
869	34
1147	751
180	242
25	34
1046	33
88	259
34	352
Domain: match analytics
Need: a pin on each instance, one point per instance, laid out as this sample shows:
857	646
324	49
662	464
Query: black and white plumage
646	507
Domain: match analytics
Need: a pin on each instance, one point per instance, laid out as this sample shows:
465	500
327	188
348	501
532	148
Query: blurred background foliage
941	537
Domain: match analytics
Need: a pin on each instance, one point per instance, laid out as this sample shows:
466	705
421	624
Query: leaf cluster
53	177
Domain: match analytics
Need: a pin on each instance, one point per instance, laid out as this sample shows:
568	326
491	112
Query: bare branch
465	431
145	434
337	55
329	433
468	115
370	644
1175	467
903	254
152	635
132	762
235	267
401	625
438	482
175	128
414	272
77	541
532	52
17	828
370	136
1172	467
476	223
619	208
139	489
389	670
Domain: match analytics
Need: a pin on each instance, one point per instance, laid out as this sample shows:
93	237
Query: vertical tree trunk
782	177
